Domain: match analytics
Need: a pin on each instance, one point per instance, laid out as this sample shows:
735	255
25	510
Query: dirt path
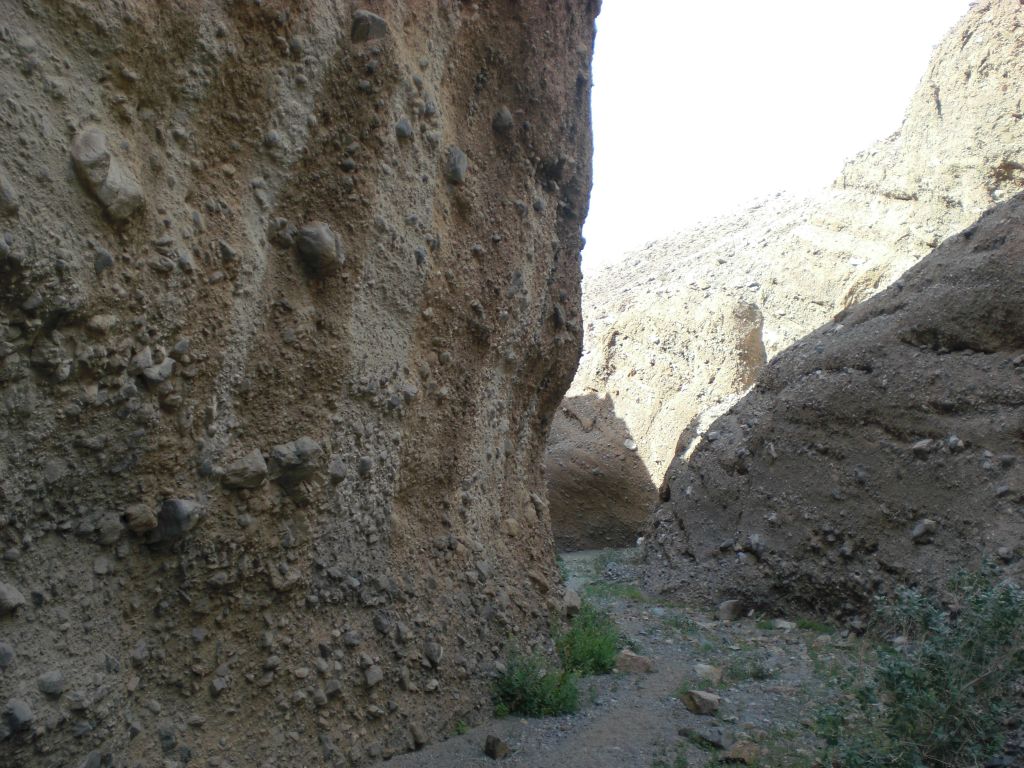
775	681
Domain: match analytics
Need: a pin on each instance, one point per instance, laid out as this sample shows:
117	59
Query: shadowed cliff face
882	449
797	262
288	295
602	492
659	363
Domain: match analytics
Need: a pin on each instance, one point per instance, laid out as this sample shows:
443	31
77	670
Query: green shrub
591	644
747	667
940	699
814	625
603	590
527	688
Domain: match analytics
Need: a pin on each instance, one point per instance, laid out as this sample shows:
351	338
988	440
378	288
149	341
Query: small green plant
528	688
680	761
591	644
600	563
681	624
608	590
461	728
815	625
751	667
694	737
941	696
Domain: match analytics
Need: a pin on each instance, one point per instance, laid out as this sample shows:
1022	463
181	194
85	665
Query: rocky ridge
881	450
676	332
288	295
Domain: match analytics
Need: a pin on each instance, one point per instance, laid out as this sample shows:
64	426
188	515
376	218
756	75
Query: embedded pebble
456	165
104	175
319	248
293	462
924	530
51	683
502	121
367	26
175	518
250	471
403	129
17	717
374	674
10	598
8	197
6	654
140	518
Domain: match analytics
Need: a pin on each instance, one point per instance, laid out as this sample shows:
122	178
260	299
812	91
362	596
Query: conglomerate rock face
288	295
883	449
761	279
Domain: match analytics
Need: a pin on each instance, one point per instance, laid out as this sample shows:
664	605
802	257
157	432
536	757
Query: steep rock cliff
288	294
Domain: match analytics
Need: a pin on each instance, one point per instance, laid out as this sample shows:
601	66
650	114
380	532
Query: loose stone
495	748
701	702
710	734
571	603
632	663
730	610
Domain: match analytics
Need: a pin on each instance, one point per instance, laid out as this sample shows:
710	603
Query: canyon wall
883	449
676	332
288	295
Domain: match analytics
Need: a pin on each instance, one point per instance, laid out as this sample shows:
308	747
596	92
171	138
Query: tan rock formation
882	449
796	262
288	295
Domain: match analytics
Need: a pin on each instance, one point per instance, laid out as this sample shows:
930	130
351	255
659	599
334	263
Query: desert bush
591	644
940	696
528	688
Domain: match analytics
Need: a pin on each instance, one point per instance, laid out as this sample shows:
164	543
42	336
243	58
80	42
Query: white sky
702	105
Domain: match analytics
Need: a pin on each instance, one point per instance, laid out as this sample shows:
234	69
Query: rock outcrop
288	295
883	449
772	273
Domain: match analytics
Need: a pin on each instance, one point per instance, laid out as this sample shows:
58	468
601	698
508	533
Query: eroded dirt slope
288	294
882	449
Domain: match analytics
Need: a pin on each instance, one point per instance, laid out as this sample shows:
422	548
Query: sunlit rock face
289	293
672	331
882	448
